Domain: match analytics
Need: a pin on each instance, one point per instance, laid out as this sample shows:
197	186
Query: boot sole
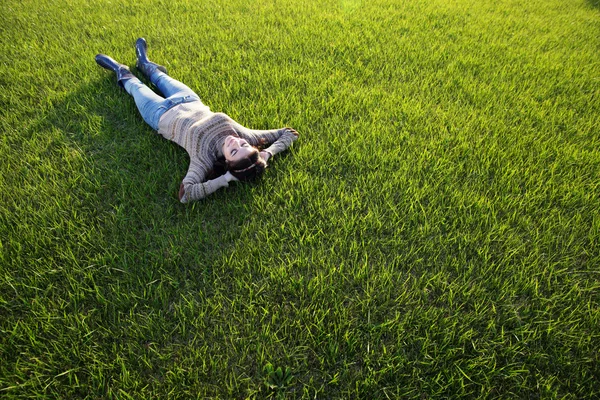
141	51
106	62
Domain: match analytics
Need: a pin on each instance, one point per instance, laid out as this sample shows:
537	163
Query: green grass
434	233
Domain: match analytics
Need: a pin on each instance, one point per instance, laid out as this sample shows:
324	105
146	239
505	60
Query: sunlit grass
434	233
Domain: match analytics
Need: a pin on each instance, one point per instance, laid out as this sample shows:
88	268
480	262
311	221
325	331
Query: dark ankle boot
143	64
122	71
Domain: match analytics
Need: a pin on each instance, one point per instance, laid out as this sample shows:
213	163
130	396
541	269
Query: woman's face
235	148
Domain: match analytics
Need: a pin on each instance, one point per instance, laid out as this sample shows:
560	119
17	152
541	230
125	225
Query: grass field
434	232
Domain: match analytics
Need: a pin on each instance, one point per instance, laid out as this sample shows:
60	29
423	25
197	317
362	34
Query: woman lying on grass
214	141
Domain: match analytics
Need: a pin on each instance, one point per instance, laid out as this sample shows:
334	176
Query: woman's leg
157	74
150	105
170	87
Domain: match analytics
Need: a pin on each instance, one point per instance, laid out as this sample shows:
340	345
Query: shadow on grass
594	3
100	241
133	177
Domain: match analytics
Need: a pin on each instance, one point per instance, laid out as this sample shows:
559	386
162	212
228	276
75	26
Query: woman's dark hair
246	169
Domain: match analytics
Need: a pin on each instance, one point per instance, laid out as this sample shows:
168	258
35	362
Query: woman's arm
274	140
193	188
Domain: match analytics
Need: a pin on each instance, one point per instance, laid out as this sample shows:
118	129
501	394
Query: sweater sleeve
277	140
194	184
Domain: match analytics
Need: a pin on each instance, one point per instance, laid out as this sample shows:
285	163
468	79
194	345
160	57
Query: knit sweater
202	134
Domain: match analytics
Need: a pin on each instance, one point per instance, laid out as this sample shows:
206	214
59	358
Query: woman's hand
230	177
294	132
181	191
265	155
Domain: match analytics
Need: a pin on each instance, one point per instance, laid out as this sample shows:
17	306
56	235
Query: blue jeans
153	106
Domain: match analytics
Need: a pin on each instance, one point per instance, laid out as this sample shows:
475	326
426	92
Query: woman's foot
143	63
122	71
